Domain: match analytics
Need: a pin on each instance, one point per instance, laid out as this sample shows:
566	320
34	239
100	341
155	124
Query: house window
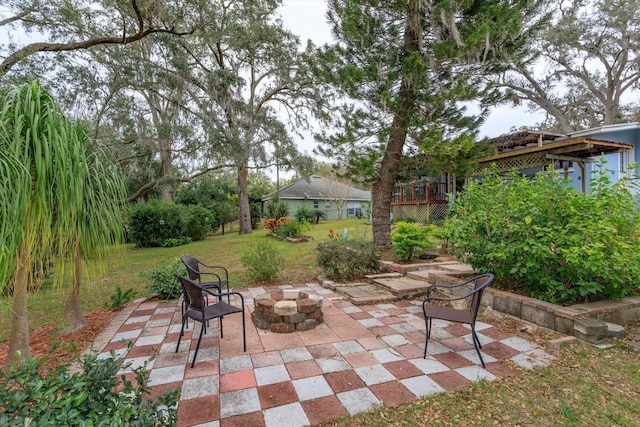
316	204
327	205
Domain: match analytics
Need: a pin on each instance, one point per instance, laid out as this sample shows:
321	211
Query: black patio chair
206	276
467	316
196	308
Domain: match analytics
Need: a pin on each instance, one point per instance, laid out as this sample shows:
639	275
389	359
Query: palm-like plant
56	199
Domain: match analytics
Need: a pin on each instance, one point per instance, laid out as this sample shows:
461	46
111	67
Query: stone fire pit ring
286	311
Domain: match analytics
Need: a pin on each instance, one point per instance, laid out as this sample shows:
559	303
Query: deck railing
419	193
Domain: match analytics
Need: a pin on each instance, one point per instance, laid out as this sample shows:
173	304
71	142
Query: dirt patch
53	348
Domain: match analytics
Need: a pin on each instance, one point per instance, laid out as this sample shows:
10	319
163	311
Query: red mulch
68	346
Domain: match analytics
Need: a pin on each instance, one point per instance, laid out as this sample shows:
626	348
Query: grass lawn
122	269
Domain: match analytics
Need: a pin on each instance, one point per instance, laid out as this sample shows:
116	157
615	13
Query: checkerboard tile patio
361	356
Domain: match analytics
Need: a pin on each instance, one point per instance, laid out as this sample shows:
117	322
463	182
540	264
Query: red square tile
452	360
496	333
254	419
344	381
162	316
269	358
237	381
372	343
277	394
114	345
416	337
142	312
393	393
203	368
404	304
360	359
143	351
303	369
449	380
161	389
198	411
381	331
403	369
500	369
410	351
369	307
458	330
322	351
456	344
170	359
360	315
390	320
323	409
499	350
131	326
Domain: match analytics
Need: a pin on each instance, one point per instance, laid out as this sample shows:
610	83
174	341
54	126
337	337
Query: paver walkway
361	356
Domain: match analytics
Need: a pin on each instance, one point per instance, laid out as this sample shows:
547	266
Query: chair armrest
226	272
211	273
222	294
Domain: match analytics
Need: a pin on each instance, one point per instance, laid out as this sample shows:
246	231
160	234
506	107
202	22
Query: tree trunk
73	320
19	340
243	198
383	187
165	160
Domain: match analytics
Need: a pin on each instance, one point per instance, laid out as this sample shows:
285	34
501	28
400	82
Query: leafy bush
263	263
270	224
407	219
276	209
37	396
164	283
305	213
410	239
343	260
171	243
198	221
547	239
292	228
152	223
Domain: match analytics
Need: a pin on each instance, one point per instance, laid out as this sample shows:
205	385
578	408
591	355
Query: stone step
364	293
459	269
371	277
403	287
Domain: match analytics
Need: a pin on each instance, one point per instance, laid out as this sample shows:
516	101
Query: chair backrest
193	267
479	284
192	293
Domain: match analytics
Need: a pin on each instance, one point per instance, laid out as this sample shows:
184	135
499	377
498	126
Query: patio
359	357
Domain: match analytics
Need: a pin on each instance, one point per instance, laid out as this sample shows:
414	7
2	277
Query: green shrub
342	259
543	237
152	223
292	228
171	243
164	283
410	239
198	221
263	262
34	395
276	209
305	213
120	298
406	219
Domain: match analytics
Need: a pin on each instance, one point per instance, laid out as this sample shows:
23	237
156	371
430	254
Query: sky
306	18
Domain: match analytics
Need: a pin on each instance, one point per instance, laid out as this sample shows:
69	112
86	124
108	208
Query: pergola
538	149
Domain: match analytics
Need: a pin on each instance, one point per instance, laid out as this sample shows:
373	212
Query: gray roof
319	188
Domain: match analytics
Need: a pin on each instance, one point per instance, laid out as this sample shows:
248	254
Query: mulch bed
53	348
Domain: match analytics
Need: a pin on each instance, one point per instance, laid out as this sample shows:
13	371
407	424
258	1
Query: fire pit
286	311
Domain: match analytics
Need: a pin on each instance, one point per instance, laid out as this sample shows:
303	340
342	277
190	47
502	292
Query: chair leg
427	322
198	344
244	334
181	333
476	344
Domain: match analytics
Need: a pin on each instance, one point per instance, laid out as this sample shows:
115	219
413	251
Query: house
573	154
335	199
